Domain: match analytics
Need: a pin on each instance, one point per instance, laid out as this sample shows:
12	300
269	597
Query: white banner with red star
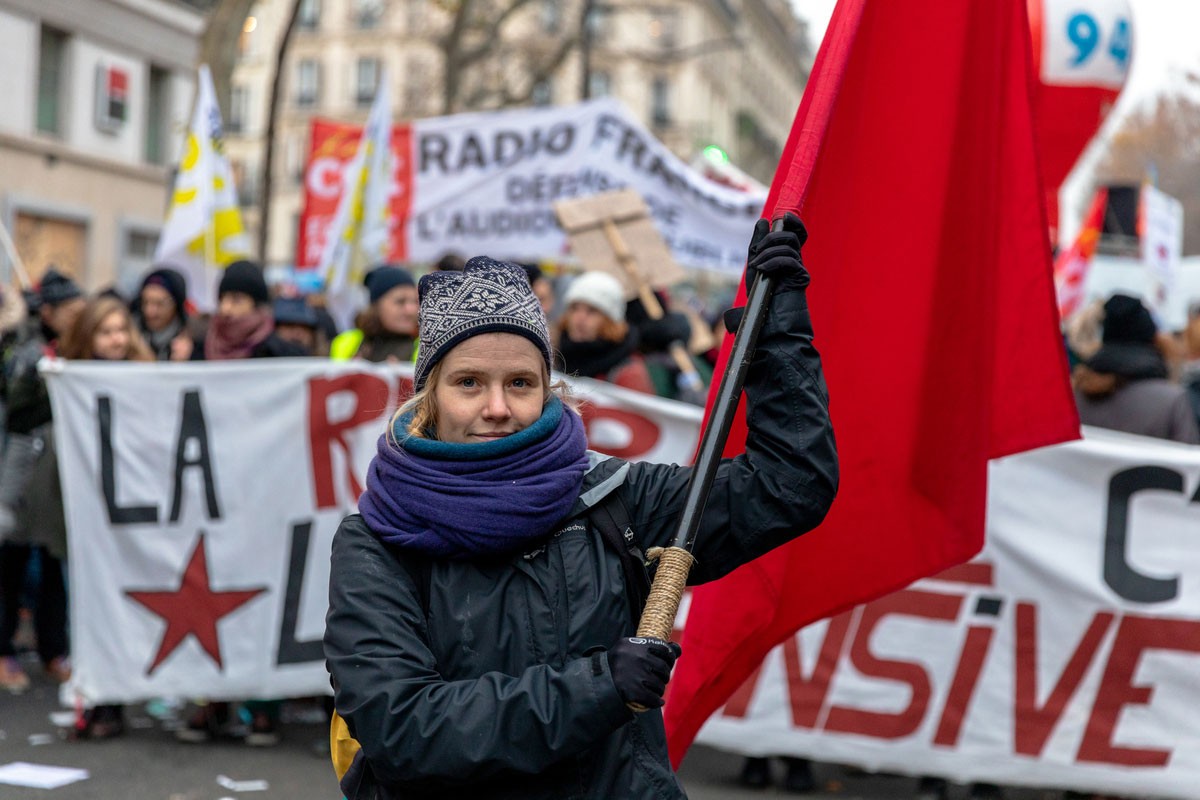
202	500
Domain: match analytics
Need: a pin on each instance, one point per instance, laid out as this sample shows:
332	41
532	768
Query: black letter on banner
1118	574
117	515
290	650
192	426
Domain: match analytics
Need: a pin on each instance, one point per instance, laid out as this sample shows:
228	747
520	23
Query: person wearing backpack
483	602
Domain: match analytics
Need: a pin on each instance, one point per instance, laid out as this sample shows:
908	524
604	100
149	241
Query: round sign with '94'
1087	43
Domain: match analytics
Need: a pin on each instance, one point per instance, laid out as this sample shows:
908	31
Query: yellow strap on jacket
342	746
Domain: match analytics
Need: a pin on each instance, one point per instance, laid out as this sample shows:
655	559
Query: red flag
1072	265
912	162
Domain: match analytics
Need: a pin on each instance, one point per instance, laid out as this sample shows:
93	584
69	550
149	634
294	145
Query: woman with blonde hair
480	634
105	331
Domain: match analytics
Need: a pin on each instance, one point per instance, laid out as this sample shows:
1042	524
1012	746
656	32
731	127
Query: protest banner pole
607	212
14	258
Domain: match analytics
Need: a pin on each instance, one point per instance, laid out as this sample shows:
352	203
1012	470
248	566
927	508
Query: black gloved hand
640	668
777	253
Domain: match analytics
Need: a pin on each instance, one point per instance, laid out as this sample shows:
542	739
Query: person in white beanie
593	337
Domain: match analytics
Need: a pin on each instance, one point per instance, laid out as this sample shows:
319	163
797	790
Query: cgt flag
203	231
912	162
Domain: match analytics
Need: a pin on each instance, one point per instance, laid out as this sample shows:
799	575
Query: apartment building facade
728	73
98	96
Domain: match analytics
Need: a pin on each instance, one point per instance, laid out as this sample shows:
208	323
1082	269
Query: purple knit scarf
463	501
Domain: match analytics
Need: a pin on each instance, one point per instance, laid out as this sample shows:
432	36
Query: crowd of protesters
1127	375
251	320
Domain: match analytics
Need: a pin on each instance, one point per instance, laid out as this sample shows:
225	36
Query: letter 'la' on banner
912	162
203	232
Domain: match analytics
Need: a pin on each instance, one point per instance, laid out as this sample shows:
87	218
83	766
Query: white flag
359	235
203	231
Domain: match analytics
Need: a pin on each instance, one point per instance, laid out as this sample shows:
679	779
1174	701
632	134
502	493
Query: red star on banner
194	608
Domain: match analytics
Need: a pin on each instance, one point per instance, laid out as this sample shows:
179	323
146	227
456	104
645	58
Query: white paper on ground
242	786
40	776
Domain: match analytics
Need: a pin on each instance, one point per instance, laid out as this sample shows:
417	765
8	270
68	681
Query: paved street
149	764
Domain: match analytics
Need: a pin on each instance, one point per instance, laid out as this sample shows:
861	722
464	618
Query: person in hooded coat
160	311
480	635
1124	385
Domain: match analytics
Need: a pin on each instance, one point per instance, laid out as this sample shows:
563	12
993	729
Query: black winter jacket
492	681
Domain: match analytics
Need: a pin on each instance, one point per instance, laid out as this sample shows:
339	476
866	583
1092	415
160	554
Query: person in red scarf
244	325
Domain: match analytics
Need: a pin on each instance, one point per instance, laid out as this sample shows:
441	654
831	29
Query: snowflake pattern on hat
488	296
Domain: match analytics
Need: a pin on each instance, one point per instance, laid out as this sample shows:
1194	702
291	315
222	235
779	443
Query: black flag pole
675	562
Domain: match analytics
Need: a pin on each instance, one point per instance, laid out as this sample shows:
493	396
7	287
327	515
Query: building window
543	93
137	257
663	28
366	80
245	182
245	48
597	23
550	16
599	84
660	102
308	83
416	16
158	103
368	13
416	88
239	108
309	16
52	57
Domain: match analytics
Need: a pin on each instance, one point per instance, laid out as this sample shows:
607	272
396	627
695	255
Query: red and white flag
912	162
1072	265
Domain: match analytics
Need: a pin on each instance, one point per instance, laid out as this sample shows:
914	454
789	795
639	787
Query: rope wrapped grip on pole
675	562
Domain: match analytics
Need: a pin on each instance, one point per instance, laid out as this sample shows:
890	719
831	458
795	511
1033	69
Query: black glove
640	668
777	253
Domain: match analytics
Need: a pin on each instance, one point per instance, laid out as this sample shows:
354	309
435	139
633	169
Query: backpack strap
612	520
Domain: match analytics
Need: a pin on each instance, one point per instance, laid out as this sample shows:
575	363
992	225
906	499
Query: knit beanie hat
1127	342
245	277
382	280
295	311
599	290
56	288
486	297
173	282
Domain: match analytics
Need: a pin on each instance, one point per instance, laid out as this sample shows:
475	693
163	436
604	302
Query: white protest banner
487	182
1162	247
202	500
1064	656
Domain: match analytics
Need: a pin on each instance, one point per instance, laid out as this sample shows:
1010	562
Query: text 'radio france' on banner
487	183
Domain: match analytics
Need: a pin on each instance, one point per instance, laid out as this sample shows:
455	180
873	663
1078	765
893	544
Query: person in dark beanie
160	311
1124	386
482	603
387	328
244	326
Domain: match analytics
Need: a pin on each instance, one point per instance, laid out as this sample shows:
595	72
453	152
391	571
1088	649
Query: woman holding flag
482	602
